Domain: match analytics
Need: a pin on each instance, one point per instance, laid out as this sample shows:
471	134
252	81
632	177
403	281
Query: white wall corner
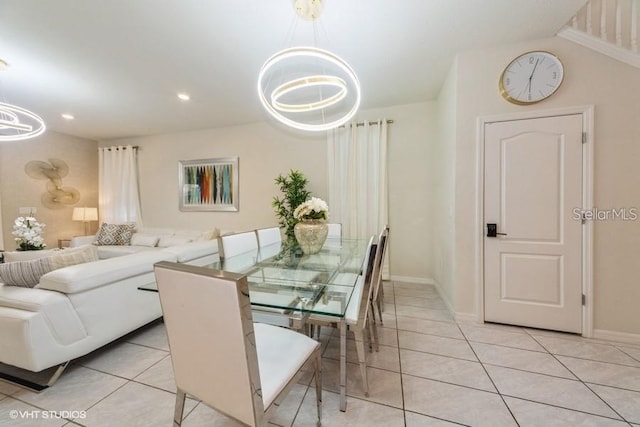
443	296
410	279
623	337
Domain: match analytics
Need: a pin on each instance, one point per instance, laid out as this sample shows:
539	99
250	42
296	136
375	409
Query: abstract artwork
209	184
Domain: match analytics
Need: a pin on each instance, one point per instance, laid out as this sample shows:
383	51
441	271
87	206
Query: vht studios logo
595	214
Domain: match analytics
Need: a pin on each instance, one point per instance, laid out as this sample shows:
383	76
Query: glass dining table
287	286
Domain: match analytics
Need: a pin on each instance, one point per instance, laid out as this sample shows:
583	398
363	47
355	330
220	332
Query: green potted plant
293	188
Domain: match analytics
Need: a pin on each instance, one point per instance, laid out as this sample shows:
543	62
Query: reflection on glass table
280	276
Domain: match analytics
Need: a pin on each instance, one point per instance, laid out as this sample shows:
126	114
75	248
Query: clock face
531	77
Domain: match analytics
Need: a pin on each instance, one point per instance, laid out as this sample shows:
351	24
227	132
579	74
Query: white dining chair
335	231
238	243
357	314
219	356
377	295
268	236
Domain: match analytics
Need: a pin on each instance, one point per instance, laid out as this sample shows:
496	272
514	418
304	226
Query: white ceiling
117	64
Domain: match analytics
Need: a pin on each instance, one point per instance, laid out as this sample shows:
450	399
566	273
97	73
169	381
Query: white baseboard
466	317
626	337
410	279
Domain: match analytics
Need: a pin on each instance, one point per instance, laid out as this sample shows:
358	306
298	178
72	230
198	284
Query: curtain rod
135	147
371	123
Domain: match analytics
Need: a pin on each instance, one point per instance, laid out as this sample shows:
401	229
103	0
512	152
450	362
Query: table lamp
85	215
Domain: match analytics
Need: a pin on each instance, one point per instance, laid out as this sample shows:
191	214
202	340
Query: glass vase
311	235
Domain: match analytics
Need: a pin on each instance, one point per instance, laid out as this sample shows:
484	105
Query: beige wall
17	189
263	151
411	189
590	78
443	164
266	151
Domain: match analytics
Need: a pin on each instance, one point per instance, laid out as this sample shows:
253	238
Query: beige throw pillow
79	255
24	273
27	273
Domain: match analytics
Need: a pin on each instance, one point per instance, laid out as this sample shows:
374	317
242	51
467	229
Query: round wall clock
531	77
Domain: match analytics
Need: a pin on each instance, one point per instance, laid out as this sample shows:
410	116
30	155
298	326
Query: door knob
492	231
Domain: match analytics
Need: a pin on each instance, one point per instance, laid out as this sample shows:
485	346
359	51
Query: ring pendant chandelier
17	123
309	88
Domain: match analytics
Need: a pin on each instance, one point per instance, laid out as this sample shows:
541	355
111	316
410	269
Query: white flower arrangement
28	232
313	208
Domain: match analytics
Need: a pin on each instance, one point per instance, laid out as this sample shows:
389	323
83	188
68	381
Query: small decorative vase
311	235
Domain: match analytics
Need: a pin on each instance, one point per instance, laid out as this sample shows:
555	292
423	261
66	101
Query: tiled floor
430	371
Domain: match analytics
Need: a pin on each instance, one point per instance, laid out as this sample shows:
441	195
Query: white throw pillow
166	241
210	235
141	239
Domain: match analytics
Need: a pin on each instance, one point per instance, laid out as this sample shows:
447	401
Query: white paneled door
533	254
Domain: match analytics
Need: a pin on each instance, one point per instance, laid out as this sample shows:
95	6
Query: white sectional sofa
150	239
77	309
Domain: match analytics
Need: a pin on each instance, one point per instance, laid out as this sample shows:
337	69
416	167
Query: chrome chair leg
179	409
318	366
380	307
362	359
373	332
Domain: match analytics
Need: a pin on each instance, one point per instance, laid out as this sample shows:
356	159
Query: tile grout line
489	376
565	408
612	345
580	379
395	313
630	355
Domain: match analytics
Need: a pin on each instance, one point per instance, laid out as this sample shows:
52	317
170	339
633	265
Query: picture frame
208	185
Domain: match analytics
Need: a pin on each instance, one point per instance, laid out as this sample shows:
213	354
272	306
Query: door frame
587	113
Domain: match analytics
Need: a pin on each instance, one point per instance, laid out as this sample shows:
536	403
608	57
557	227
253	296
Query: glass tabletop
282	277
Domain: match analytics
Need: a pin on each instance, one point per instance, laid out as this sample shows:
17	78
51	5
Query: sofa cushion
73	256
142	239
114	234
24	273
27	273
166	241
191	251
105	252
82	277
13	256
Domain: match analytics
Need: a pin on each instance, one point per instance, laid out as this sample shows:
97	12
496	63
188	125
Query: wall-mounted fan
56	196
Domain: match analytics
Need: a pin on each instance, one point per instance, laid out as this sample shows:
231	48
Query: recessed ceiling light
68	116
184	96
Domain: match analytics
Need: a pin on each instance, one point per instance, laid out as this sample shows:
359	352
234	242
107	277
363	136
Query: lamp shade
85	214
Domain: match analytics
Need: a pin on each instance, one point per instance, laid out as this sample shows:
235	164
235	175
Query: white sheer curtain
357	174
119	200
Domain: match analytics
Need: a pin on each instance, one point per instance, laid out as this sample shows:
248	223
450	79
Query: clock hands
531	76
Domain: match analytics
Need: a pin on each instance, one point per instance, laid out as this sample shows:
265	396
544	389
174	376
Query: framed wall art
208	184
